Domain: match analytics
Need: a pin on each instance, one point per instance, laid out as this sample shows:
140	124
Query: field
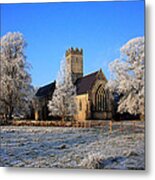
66	147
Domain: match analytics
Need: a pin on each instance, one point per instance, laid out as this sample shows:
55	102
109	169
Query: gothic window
100	99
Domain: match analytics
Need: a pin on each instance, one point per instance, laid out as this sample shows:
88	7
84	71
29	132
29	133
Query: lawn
66	147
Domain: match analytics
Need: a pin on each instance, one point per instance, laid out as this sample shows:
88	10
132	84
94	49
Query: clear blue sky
100	28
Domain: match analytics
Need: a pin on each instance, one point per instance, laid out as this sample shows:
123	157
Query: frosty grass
59	147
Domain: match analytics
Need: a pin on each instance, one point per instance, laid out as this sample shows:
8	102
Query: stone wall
83	107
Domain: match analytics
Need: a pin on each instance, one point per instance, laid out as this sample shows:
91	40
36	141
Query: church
92	98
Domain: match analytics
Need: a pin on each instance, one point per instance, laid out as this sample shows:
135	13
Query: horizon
97	27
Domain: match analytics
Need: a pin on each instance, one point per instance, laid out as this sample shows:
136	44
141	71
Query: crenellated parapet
74	51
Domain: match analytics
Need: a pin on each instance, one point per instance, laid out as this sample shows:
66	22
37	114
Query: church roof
83	85
46	90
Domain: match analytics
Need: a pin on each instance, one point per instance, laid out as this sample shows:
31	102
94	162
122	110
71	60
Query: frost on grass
72	148
124	152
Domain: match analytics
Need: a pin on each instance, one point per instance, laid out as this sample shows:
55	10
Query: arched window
100	99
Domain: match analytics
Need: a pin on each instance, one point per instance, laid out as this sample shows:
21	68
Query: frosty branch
15	81
63	102
127	77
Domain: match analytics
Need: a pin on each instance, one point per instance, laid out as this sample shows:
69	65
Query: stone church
93	100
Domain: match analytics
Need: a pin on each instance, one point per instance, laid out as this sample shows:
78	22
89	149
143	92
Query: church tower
74	58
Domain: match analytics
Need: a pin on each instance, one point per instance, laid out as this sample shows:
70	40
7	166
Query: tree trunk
63	120
10	113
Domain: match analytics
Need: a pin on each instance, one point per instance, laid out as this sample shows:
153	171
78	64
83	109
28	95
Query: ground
63	147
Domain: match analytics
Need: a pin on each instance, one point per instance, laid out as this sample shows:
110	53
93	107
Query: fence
109	126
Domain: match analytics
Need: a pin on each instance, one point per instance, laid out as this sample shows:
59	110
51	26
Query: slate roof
46	90
83	85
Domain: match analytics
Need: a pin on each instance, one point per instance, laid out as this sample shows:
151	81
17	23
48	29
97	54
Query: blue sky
100	28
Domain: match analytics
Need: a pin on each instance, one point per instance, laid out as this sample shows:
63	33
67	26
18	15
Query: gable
100	75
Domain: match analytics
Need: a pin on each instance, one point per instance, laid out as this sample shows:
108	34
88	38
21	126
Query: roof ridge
88	75
47	84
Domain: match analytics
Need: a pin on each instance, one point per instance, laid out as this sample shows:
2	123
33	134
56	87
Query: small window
76	60
99	77
80	105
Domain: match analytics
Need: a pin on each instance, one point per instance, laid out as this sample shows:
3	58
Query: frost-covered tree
15	81
63	102
127	77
